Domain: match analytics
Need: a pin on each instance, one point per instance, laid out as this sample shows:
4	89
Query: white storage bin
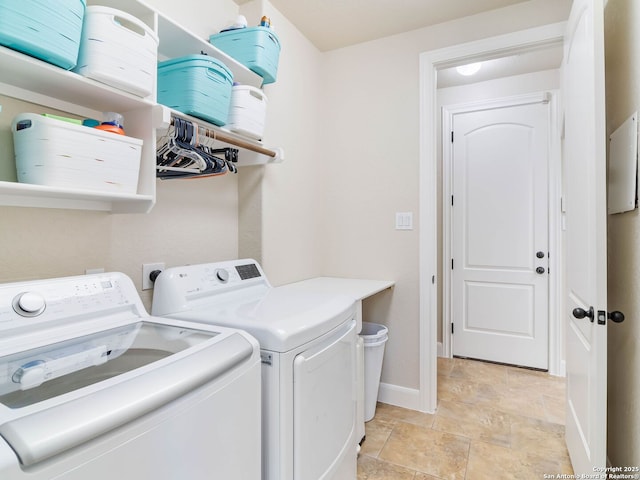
62	154
248	111
118	49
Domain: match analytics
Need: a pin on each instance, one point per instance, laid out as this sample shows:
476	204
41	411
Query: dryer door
325	406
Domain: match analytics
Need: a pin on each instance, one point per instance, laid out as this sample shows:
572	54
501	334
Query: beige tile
490	462
493	422
391	413
536	380
424	476
469	391
480	372
543	438
554	408
445	365
477	422
370	468
377	432
436	453
456	389
518	401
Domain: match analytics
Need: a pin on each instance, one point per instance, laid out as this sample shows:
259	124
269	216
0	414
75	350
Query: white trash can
374	337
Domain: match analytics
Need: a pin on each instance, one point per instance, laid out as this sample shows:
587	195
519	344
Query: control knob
223	275
29	304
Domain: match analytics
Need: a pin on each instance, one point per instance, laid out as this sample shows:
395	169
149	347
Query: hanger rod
233	141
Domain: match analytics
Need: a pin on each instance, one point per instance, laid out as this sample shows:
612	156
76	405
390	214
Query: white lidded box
248	111
119	50
61	154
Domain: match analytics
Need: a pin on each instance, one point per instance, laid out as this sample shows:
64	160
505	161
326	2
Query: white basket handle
257	93
129	22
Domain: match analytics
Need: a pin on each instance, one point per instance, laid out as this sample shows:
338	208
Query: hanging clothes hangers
183	153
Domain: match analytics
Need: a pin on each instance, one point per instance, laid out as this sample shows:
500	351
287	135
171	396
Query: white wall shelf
41	196
28	79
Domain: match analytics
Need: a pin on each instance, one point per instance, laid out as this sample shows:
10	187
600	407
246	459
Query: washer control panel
40	302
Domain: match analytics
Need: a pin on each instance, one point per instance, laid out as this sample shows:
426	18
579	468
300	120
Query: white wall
371	117
291	194
622	50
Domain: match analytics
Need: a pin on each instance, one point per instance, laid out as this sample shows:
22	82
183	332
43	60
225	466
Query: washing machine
93	387
307	347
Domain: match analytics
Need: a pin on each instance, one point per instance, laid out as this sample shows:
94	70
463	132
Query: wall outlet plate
147	268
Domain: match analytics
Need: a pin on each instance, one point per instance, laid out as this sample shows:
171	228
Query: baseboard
440	349
399	396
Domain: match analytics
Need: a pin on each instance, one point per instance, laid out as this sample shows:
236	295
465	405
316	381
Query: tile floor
493	422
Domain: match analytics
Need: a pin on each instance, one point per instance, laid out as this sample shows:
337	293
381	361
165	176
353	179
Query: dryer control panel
180	288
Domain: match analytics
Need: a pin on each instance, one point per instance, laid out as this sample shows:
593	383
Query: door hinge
452	264
452	329
451	136
452	200
433	279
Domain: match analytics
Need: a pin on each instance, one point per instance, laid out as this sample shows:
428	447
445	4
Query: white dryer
307	343
92	387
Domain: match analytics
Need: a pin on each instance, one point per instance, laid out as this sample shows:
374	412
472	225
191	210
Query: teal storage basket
45	29
197	85
257	48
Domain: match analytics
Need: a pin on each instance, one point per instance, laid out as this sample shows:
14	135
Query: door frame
430	63
550	97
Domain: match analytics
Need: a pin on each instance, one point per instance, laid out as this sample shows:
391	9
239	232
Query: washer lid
281	319
158	361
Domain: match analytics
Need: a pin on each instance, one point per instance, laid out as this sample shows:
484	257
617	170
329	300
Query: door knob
617	317
540	254
540	270
581	313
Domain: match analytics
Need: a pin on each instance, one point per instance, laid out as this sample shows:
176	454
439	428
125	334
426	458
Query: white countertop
357	288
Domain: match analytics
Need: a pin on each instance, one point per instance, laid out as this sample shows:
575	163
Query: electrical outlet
92	271
147	268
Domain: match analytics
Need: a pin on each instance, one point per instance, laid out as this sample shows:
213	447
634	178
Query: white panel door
586	236
500	234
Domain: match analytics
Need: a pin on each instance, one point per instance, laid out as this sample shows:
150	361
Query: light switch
404	220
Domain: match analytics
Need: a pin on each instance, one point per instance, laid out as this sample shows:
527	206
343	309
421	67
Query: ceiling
548	58
331	24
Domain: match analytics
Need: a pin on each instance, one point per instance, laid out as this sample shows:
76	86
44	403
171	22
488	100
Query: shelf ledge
42	196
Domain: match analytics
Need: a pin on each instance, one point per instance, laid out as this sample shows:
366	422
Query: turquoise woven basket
257	48
45	29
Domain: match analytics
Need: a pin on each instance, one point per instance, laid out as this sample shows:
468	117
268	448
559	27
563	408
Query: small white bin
248	111
62	154
119	50
374	337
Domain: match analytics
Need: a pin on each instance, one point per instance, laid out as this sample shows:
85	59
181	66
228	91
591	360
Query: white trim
428	244
430	63
556	260
563	369
445	234
440	350
399	396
